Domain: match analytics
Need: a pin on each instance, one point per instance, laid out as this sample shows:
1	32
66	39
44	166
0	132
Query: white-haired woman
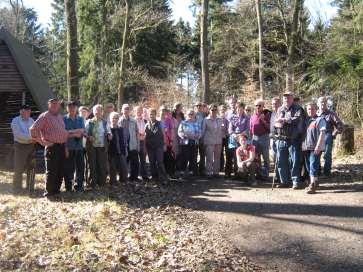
98	133
117	151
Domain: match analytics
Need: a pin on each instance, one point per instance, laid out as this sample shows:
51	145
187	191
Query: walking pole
275	170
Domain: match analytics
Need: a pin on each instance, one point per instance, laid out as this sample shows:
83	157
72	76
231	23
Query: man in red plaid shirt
49	130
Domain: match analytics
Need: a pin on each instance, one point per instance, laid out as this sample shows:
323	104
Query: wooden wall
13	93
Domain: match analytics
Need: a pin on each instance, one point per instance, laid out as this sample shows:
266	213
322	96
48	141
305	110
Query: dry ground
287	230
200	225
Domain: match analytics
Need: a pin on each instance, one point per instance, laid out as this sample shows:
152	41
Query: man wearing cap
23	145
74	163
49	130
289	130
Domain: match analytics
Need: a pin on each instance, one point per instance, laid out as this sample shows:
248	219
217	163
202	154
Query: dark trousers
98	165
142	159
231	162
118	166
54	164
23	157
201	163
156	158
74	164
169	161
223	153
189	158
248	170
133	160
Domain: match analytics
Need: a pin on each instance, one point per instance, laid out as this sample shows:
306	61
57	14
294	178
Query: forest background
102	51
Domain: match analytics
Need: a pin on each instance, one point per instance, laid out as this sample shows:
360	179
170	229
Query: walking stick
275	170
30	178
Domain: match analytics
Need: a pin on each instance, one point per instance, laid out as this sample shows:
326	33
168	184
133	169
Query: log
344	144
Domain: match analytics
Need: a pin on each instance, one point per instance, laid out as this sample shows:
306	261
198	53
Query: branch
283	18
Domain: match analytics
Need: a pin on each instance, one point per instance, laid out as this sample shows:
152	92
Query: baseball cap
25	107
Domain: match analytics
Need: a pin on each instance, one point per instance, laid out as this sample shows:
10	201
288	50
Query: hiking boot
311	189
297	186
283	185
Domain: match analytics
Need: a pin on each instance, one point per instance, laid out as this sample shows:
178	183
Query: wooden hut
21	82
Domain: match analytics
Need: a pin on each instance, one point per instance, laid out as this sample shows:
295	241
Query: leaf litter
131	227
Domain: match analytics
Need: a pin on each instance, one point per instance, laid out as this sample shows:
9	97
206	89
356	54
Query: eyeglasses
258	105
214	109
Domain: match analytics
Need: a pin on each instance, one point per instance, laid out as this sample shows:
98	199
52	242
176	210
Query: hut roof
29	69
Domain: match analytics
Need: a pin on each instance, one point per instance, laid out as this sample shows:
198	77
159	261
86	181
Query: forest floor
199	225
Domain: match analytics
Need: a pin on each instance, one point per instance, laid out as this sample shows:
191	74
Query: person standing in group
313	145
212	134
131	133
334	126
99	134
222	115
154	139
141	123
275	105
288	126
85	113
178	117
23	146
248	111
247	161
167	124
49	131
109	108
117	151
232	104
74	164
260	130
199	117
189	132
239	123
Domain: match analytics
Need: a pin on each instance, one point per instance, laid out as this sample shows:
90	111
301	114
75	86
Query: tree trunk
72	50
260	47
125	37
204	51
344	144
292	46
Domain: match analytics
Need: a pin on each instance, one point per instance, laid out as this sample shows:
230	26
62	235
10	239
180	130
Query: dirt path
288	230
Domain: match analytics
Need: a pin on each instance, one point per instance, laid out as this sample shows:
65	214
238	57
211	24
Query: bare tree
17	8
291	36
204	50
72	49
260	46
125	38
136	18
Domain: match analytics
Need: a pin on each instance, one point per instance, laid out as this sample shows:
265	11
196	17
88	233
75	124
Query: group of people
202	141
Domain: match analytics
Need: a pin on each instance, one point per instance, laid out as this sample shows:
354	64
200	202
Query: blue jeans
287	170
328	153
312	163
262	144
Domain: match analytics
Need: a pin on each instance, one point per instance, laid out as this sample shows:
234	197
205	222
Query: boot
312	187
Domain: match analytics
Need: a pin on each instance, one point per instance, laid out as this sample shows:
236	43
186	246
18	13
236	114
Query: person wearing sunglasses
260	129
